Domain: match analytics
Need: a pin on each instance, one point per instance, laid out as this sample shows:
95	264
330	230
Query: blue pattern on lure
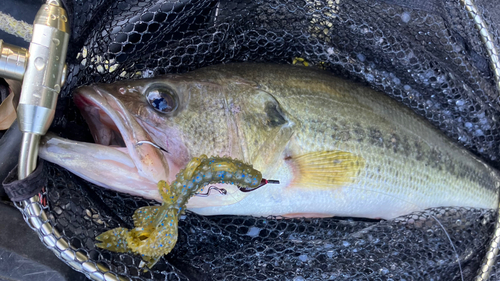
155	227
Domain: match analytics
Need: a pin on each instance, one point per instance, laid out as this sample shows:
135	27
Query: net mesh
438	244
425	54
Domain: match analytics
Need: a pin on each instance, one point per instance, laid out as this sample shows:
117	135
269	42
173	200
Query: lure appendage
155	227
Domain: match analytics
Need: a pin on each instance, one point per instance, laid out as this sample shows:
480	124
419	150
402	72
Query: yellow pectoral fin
326	169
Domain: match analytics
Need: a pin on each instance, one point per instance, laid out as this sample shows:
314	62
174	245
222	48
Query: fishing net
426	54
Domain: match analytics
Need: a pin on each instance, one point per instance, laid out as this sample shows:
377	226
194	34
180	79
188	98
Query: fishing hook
153	144
221	191
262	183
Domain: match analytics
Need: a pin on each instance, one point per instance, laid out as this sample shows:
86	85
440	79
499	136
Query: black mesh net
426	54
438	244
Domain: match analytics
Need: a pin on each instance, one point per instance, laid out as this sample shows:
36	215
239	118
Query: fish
338	148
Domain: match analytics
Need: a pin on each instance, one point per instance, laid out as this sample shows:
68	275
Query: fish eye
162	99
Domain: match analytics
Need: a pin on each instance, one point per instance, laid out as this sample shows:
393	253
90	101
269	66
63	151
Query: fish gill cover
425	54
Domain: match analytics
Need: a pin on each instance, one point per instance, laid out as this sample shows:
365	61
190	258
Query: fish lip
150	162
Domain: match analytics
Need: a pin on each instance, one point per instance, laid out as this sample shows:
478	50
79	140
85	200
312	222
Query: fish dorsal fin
326	169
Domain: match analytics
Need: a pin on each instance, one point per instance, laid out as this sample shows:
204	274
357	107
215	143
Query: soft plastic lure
155	227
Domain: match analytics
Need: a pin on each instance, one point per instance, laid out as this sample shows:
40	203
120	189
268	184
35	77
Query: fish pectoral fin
269	154
264	128
326	169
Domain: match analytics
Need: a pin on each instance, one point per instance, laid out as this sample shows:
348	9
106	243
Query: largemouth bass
337	148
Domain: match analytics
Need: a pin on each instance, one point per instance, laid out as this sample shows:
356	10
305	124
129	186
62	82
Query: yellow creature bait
155	227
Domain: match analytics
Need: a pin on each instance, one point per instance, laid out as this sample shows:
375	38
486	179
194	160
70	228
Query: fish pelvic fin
326	169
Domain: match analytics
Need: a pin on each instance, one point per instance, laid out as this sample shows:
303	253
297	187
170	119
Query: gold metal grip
13	61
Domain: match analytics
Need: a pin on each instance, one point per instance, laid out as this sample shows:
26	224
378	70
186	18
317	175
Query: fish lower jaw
131	186
106	166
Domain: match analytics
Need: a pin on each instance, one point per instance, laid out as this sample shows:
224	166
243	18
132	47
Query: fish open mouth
102	126
115	160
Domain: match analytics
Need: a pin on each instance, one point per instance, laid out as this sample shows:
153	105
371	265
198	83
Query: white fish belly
379	192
